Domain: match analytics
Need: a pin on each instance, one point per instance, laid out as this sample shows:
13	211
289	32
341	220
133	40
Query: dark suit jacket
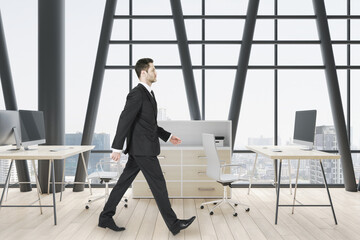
137	124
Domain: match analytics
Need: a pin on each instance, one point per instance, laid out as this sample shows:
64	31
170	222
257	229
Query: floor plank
143	220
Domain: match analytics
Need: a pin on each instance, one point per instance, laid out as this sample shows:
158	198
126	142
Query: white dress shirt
149	89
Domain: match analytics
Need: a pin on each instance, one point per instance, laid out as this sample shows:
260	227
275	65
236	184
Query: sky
298	89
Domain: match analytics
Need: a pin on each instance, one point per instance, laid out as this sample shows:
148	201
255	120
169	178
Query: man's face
151	73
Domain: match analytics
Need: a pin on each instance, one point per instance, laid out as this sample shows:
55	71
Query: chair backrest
213	162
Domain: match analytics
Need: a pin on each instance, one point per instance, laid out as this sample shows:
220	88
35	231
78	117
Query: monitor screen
10	128
304	130
32	127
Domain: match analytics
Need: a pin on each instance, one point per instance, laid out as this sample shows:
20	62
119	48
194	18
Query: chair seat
104	175
228	178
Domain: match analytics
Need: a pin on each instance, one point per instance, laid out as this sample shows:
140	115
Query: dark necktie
152	93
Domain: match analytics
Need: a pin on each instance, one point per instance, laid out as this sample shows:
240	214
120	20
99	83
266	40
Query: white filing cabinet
184	169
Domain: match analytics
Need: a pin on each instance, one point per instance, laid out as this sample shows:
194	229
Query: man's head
145	70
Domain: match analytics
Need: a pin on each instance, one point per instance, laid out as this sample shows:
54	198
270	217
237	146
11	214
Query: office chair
214	170
107	177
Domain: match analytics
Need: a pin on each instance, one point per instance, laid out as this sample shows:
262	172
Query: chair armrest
230	165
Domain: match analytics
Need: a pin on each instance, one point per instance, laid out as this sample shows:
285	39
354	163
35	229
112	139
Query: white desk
293	153
49	153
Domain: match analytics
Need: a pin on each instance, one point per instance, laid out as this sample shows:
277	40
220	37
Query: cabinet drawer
204	189
170	173
142	189
198	157
170	157
195	173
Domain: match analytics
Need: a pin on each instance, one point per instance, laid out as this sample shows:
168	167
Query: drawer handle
206	189
202	157
161	157
201	173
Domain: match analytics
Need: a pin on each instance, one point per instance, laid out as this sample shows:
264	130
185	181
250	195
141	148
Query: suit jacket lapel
152	100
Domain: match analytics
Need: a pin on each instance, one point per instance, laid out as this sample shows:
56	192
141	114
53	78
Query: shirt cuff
169	138
116	150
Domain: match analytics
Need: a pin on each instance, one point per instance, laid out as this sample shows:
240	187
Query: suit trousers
150	167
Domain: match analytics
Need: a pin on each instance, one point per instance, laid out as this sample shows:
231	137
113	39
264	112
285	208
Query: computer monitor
10	128
304	130
32	128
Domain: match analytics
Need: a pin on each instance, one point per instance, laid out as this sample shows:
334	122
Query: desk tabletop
43	152
291	152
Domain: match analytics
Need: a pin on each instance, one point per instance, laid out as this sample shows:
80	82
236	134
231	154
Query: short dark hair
142	64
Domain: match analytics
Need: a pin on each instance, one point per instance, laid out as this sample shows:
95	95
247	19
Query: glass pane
338	29
340	54
230	7
256	120
297	30
195	53
120	30
155	7
355	53
222	54
150	29
355	26
118	55
355	7
193	29
355	114
266	7
191	7
262	55
295	7
157	53
217	99
224	29
122	8
336	7
299	55
264	30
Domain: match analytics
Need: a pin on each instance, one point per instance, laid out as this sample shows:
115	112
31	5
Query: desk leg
53	188
62	180
252	174
48	188
6	182
278	193
296	183
86	172
289	165
327	189
37	184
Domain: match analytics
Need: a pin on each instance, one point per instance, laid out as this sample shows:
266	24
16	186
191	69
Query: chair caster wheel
89	200
87	207
201	207
214	203
248	209
235	214
211	213
235	204
126	200
126	205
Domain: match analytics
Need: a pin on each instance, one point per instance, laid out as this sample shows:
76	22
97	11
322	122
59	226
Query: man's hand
175	140
116	156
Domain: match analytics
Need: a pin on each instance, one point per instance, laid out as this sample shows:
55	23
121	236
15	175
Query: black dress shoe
183	224
111	225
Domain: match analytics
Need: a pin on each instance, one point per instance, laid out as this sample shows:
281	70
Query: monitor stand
17	140
307	148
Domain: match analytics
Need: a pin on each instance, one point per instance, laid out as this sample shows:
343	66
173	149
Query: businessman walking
138	125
